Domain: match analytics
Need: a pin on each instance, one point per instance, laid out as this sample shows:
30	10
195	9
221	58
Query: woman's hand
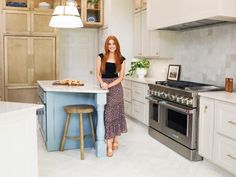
104	85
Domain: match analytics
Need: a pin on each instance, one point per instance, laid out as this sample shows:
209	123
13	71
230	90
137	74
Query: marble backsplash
206	55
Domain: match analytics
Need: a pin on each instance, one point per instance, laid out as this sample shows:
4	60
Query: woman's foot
115	143
109	148
114	146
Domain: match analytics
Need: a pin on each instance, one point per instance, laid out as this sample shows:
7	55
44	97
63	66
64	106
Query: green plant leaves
144	63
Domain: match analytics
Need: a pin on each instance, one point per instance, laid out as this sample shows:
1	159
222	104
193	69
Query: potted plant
139	68
92	4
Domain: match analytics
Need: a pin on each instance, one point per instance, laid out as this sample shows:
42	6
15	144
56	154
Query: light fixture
66	16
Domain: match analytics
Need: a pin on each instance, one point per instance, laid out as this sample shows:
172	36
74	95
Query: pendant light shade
66	17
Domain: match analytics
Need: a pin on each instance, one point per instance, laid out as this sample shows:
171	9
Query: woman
110	68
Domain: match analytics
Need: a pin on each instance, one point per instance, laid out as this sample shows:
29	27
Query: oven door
179	123
154	113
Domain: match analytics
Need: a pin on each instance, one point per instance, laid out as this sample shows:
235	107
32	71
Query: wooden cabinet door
39	23
206	127
17	60
137	35
16	22
93	14
43	58
24	94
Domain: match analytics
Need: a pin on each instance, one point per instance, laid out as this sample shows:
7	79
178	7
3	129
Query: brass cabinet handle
232	122
232	157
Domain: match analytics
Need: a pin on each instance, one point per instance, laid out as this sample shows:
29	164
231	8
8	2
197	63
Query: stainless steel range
173	115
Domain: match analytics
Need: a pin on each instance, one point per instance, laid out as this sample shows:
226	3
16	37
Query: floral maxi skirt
114	118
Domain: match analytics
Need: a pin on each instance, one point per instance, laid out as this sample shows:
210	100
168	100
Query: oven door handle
153	100
164	103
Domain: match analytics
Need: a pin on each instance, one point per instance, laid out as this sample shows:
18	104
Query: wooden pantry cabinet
27	23
29	47
27	59
217	131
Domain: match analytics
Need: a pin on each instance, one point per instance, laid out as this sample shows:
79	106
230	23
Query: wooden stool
80	110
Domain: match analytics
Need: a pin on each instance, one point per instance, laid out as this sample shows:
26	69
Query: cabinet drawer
226	119
139	92
225	153
138	111
127	94
128	108
126	84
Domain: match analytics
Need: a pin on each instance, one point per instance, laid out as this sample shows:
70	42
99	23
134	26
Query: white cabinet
206	127
127	86
136	105
152	44
217	132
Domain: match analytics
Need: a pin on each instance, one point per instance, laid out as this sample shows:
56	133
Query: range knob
172	97
165	95
155	93
185	100
179	99
189	102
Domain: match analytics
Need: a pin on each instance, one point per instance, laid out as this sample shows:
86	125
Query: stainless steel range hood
185	14
194	24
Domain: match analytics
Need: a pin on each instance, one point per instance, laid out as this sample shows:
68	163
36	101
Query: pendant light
66	16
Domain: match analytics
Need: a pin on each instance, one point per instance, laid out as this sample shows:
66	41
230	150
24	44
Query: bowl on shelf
44	5
91	19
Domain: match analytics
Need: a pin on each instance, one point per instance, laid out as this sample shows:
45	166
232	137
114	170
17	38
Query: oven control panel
180	97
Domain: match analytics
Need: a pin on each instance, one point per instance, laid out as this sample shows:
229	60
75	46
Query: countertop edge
220	95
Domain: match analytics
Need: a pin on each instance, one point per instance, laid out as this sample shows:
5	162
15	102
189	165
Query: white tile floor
139	155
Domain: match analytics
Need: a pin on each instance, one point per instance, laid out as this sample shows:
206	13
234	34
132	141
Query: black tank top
110	71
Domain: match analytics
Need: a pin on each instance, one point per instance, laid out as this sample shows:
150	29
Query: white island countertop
87	88
220	95
10	107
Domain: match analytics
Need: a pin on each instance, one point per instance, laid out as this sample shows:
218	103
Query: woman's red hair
117	54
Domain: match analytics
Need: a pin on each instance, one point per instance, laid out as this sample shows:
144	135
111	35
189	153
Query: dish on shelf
16	4
68	82
92	19
44	5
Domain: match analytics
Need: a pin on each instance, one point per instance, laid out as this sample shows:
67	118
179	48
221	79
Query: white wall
77	50
119	22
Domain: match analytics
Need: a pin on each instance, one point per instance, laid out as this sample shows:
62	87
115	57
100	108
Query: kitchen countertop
9	107
145	80
87	88
220	95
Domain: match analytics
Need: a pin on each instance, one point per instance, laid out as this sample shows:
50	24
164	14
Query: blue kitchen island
52	118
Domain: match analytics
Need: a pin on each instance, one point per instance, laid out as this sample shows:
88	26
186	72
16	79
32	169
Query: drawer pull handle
205	109
231	122
232	157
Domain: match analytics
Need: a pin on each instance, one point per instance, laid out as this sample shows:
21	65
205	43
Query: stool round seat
83	108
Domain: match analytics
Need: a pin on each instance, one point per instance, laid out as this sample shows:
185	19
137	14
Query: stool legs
65	131
91	125
81	136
